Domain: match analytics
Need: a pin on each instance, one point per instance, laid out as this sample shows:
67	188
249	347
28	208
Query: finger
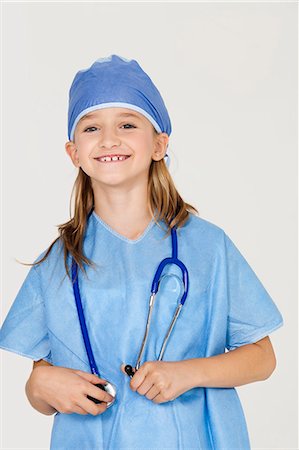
152	392
92	408
99	394
145	386
90	377
158	398
138	377
161	399
78	410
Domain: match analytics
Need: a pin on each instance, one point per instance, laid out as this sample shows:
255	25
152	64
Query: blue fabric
227	306
119	82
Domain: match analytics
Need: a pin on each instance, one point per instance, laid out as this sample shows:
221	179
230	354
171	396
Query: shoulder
54	262
197	228
56	250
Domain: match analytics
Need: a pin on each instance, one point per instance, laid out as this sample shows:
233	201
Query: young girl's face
116	131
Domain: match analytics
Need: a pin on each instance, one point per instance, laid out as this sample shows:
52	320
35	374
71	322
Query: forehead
114	112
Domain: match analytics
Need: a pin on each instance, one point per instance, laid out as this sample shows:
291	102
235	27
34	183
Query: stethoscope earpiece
129	370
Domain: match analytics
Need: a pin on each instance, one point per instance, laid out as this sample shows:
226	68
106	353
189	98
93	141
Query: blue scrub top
227	306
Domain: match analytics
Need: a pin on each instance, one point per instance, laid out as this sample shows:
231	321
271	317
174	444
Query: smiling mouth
113	159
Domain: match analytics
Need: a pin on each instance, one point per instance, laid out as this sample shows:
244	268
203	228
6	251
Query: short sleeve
24	330
252	313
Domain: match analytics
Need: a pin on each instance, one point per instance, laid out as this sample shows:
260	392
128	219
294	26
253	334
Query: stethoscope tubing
154	289
108	387
91	359
173	260
155	286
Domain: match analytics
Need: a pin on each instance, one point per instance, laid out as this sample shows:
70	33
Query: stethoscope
109	387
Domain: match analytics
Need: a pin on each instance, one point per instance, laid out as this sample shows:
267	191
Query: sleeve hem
27	355
258	336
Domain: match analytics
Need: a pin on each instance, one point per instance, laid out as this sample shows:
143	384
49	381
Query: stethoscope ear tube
155	287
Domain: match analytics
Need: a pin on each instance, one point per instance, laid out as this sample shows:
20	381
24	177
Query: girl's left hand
161	381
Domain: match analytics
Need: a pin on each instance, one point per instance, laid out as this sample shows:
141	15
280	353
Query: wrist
191	369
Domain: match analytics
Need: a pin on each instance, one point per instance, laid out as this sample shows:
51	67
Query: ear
72	152
160	146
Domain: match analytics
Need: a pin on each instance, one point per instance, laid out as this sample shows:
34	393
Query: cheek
85	140
84	158
143	145
85	147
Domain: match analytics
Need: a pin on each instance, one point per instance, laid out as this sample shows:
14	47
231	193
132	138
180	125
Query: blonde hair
163	198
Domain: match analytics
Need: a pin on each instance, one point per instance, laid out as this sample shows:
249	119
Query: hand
160	381
66	390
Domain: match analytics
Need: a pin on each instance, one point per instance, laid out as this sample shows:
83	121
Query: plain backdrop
227	72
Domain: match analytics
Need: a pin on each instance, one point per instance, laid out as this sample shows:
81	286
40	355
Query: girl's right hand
52	388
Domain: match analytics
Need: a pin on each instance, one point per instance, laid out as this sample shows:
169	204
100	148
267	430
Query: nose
108	138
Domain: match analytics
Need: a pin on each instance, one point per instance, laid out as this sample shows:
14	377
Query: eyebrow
91	115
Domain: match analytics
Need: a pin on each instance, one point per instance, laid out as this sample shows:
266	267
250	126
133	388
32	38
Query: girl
129	217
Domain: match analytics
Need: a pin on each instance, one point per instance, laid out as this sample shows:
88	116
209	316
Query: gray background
228	75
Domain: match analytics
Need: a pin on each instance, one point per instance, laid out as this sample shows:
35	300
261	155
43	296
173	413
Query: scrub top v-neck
121	236
227	306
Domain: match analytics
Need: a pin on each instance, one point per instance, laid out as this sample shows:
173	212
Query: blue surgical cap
115	81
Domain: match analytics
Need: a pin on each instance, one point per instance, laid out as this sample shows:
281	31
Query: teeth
114	158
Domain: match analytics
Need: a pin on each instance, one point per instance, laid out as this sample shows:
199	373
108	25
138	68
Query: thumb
90	377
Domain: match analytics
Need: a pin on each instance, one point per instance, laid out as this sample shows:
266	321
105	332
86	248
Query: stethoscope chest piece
110	388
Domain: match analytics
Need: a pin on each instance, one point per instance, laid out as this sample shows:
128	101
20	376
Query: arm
162	381
35	402
243	365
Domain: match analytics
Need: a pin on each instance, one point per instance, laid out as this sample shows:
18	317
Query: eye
89	128
130	125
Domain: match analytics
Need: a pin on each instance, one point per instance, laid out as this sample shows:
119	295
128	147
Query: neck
125	210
